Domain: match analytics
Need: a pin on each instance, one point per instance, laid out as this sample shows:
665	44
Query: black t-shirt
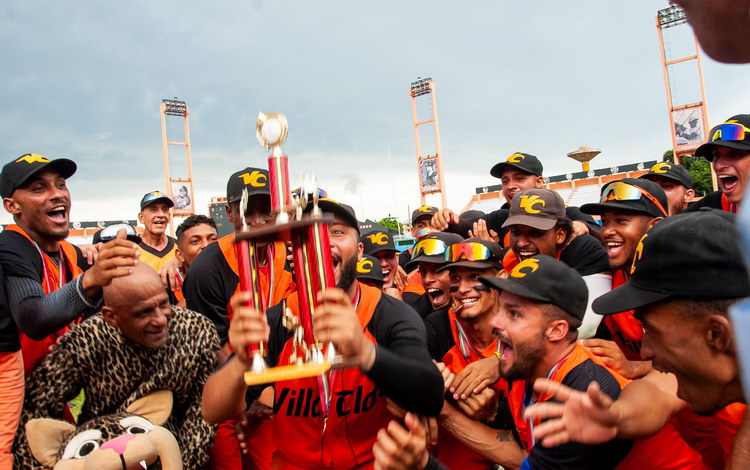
712	200
586	255
420	303
576	456
20	258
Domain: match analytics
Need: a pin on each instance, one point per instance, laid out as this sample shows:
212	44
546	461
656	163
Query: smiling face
519	325
258	212
621	231
155	218
421	224
474	299
42	208
677	194
515	180
528	241
731	167
389	264
192	242
346	249
436	284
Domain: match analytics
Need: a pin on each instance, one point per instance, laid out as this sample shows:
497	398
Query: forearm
646	405
740	456
224	392
38	315
496	445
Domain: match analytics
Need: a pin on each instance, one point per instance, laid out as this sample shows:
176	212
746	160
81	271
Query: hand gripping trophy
300	221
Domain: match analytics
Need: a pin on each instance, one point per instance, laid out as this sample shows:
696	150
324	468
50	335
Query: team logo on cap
528	203
525	267
33	158
515	158
638	253
378	238
662	167
255	179
364	266
426	209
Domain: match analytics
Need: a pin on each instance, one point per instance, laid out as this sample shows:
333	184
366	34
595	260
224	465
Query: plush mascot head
132	439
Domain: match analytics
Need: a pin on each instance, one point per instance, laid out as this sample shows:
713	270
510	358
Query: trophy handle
247	259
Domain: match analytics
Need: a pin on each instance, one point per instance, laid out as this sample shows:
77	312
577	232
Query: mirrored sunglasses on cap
469	251
429	247
728	131
153	196
109	233
620	191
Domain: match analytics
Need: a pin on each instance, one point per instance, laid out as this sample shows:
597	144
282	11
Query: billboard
689	129
182	196
429	180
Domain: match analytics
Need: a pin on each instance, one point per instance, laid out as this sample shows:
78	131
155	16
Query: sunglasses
728	131
429	247
109	233
470	251
619	191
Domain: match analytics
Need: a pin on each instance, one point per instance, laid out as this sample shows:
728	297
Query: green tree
668	156
391	224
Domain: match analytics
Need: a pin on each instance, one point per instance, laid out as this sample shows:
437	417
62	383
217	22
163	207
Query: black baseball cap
521	161
331	206
494	260
254	179
376	241
631	194
448	239
545	279
471	214
537	208
424	211
694	255
19	171
368	267
671	171
718	133
153	197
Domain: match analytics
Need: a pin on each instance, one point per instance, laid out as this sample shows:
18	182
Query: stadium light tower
179	189
584	155
429	167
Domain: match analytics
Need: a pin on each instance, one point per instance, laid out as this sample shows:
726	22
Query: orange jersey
626	331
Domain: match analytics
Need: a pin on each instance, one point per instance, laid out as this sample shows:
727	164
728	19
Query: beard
348	273
525	358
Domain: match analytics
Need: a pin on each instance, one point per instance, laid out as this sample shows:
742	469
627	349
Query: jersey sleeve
18	257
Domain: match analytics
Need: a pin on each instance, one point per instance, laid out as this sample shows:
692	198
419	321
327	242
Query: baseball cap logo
662	167
33	158
525	267
378	238
638	253
426	209
515	158
364	266
528	203
255	179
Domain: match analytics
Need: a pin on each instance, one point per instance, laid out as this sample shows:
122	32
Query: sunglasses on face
728	131
619	191
109	233
470	251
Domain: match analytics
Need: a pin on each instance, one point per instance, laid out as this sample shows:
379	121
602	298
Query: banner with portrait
429	180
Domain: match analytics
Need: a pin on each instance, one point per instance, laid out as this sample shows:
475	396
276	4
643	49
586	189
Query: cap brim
64	167
497	170
439	259
674	178
469	264
705	149
624	298
598	208
509	285
164	199
531	221
335	209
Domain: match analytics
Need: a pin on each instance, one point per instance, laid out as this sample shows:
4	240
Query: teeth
724	176
142	463
470	301
432	290
526	253
614	244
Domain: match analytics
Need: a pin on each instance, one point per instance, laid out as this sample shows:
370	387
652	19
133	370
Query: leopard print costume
114	372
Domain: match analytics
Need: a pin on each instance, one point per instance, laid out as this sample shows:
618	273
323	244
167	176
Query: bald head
133	288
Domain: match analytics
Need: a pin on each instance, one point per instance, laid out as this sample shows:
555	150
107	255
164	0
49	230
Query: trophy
313	266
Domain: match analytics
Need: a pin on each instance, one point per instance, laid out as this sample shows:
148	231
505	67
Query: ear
360	249
652	222
178	254
155	407
140	217
109	316
539	181
560	236
557	330
689	195
502	274
719	334
45	437
230	216
11	206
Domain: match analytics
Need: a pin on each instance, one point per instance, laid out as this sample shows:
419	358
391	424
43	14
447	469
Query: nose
720	162
118	444
647	350
496	322
523	240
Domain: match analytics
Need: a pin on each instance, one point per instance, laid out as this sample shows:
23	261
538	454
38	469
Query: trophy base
282	232
289	372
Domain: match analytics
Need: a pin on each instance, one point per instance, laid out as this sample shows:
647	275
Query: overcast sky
83	79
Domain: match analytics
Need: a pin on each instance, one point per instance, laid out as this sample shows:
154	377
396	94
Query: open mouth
58	214
728	183
386	273
614	248
523	254
506	350
437	297
468	302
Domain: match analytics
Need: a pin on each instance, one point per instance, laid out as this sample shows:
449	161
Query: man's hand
336	321
248	327
399	449
91	252
168	274
612	356
475	377
116	259
585	417
480	406
448	376
479	230
443	218
399	280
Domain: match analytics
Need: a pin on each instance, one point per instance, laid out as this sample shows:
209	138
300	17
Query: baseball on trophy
271	129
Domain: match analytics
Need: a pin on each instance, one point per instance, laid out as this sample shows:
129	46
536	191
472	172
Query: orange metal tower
429	167
180	189
688	121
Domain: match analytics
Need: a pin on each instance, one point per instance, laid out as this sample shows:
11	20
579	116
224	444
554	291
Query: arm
611	355
400	449
740	457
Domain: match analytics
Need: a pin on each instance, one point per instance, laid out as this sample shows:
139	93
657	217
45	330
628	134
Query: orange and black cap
537	208
671	171
19	171
694	255
545	279
368	268
521	161
424	211
153	197
254	179
494	257
448	239
644	203
376	241
717	139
